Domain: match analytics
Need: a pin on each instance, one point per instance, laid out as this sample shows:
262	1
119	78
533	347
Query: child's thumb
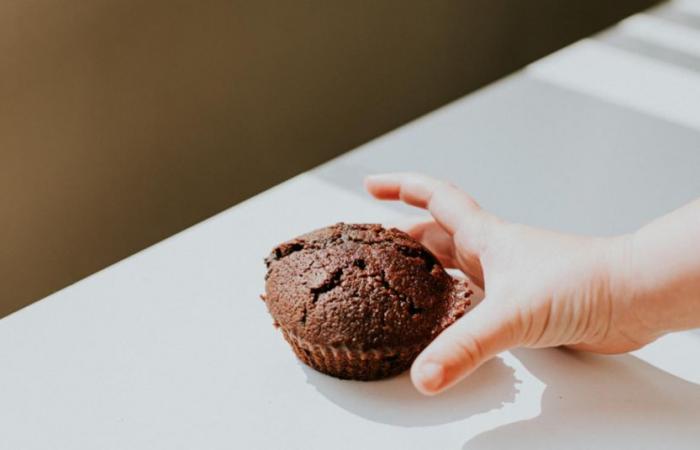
461	348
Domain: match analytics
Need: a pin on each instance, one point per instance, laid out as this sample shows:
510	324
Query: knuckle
469	350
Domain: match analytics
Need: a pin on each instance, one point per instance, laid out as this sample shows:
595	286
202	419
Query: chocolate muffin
359	301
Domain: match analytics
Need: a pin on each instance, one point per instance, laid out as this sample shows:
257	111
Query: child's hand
542	288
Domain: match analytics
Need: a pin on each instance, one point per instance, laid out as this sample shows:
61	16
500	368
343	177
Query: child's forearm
664	270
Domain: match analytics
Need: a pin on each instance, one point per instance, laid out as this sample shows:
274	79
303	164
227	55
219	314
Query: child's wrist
633	296
657	299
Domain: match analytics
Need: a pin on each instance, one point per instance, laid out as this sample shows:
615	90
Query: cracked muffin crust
360	301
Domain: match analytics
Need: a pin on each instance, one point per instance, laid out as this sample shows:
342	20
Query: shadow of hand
396	402
604	403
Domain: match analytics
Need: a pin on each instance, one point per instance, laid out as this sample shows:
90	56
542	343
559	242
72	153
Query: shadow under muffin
358	301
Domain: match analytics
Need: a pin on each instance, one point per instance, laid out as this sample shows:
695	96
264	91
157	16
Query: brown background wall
123	122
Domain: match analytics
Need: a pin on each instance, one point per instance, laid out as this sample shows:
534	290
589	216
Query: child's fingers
431	235
435	238
445	202
451	208
443	246
461	348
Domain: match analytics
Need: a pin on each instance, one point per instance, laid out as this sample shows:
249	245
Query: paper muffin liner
352	364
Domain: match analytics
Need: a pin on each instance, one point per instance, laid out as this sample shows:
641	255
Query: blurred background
123	122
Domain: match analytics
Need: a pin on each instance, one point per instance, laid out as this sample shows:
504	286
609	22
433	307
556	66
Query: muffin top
361	286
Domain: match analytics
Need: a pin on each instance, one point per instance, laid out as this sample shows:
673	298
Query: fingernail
430	375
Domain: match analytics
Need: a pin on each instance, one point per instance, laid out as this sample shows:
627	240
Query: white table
171	348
